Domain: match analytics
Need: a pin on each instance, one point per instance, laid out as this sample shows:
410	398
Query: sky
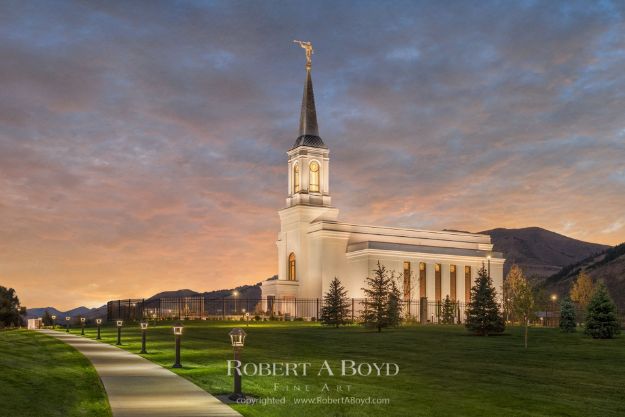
143	144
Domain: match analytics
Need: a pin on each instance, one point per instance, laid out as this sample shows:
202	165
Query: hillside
538	251
608	267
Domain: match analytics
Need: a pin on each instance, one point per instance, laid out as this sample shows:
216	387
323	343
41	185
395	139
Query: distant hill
538	251
607	266
245	291
88	313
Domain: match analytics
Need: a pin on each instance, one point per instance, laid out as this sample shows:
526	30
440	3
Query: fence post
223	308
317	309
423	310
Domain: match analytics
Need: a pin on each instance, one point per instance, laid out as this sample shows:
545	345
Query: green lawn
443	370
41	376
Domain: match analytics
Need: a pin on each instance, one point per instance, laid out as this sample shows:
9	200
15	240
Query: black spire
308	129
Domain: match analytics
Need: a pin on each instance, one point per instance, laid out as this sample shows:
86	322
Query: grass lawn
41	376
443	370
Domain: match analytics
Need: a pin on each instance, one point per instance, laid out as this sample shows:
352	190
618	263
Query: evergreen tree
449	311
483	315
601	319
375	313
394	305
335	305
47	318
567	315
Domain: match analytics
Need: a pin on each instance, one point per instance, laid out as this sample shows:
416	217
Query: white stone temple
314	246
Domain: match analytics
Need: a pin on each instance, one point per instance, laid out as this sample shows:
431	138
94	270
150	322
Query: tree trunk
526	326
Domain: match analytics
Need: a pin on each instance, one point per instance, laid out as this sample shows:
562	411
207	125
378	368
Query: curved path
137	387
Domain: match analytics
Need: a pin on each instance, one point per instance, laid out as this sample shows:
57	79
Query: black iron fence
200	308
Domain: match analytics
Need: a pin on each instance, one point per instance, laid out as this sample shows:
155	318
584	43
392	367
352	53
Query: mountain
245	291
607	267
88	313
538	251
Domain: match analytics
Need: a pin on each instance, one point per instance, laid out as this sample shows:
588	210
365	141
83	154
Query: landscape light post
82	326
120	323
553	309
53	322
237	338
247	319
144	327
67	319
99	323
235	294
177	332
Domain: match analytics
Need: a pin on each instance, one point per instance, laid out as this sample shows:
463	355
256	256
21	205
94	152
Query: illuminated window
314	177
422	279
406	281
452	282
296	178
292	276
467	284
437	282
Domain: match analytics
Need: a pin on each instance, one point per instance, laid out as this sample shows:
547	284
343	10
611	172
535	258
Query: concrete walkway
137	387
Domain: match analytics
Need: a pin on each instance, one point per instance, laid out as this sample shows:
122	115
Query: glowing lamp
120	323
178	329
144	325
237	337
98	321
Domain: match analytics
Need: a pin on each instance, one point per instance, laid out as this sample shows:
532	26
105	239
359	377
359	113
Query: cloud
143	148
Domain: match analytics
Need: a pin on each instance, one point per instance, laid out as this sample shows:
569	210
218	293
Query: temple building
314	246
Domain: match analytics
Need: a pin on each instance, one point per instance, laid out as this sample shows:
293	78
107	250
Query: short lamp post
237	338
178	333
82	326
53	322
144	327
98	322
247	319
119	323
67	319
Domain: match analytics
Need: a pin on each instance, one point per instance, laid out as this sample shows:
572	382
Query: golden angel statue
309	51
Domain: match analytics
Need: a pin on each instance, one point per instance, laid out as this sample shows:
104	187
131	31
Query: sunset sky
142	144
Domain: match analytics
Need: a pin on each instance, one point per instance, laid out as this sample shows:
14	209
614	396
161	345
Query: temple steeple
309	158
308	128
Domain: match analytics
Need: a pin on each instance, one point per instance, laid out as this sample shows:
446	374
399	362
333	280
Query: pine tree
601	319
449	311
483	315
377	291
394	305
567	315
335	305
47	318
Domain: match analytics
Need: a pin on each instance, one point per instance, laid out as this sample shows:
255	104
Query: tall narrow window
406	281
422	279
437	281
467	284
314	177
452	282
292	276
296	178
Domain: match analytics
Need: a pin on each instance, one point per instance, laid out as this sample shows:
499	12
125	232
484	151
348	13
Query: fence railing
200	308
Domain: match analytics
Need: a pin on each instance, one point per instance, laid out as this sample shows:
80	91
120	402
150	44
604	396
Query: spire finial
309	51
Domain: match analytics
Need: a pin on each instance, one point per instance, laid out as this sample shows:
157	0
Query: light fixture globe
82	319
178	329
53	317
144	325
554	297
98	321
120	323
237	337
68	318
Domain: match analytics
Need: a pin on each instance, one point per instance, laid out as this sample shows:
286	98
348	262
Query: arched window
292	276
314	177
296	178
